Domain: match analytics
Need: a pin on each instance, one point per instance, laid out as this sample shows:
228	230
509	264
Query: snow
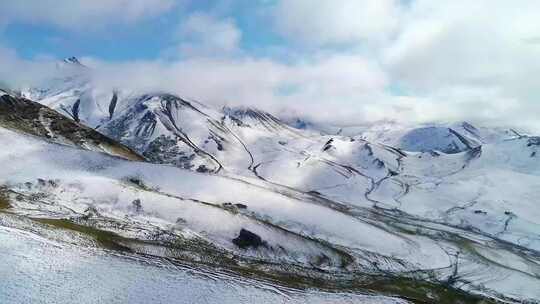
90	179
49	162
431	139
35	269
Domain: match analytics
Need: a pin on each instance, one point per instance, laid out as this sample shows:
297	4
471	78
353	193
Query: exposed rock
471	129
42	182
234	206
165	150
112	105
474	153
434	153
53	183
533	141
91	211
181	221
75	110
137	205
136	181
368	148
378	163
73	60
202	169
328	144
23	115
248	239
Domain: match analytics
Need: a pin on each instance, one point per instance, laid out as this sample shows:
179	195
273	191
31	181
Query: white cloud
427	61
82	15
463	42
204	34
327	22
246	81
17	72
471	59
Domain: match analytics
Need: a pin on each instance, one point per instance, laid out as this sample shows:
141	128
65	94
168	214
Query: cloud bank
342	61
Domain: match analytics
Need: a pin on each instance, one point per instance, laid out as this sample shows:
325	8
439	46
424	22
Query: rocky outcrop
248	239
26	116
533	141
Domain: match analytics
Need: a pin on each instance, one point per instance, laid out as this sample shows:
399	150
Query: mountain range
433	213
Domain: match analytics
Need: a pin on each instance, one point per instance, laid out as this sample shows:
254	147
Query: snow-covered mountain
439	213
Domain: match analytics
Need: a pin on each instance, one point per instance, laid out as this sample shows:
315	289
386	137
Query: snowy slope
163	204
131	279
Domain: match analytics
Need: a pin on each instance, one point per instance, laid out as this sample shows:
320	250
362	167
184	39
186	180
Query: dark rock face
202	169
328	145
248	239
474	153
434	153
136	181
165	150
75	110
232	206
137	206
470	128
23	115
378	163
112	105
533	141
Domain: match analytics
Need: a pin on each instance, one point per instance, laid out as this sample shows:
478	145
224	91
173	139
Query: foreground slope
164	211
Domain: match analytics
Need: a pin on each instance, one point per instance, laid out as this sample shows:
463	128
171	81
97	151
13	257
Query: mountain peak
245	111
73	60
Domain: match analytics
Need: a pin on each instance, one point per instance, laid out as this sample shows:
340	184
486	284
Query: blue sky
145	39
141	42
340	60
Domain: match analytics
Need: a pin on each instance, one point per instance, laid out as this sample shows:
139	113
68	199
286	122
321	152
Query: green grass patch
424	292
105	239
416	291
